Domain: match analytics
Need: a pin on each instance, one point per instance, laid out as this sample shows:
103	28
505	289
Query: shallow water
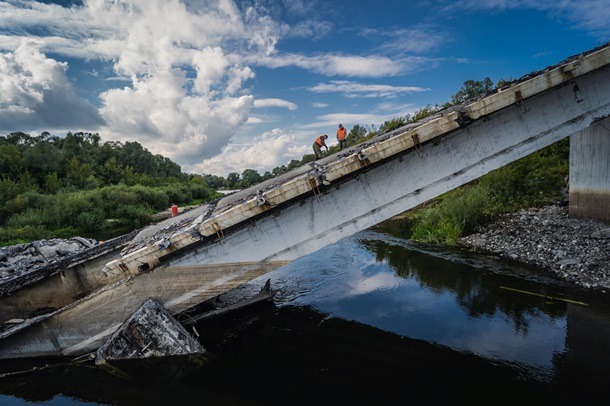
372	318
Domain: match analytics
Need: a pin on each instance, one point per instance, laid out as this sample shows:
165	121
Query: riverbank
573	249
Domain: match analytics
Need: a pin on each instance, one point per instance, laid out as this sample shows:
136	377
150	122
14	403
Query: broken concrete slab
150	332
265	294
25	264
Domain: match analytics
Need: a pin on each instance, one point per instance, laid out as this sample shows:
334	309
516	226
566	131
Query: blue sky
221	86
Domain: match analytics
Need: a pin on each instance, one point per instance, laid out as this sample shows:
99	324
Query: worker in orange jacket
342	136
318	144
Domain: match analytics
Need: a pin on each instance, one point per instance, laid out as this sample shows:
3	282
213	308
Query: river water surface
372	318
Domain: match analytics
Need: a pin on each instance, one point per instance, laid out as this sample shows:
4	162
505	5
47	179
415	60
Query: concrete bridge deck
199	255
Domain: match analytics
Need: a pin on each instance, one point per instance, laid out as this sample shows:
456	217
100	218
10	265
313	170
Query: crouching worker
318	144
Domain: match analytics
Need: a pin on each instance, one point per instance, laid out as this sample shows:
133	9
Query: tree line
54	186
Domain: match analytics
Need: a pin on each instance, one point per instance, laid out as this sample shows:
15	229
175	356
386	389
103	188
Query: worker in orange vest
318	144
342	136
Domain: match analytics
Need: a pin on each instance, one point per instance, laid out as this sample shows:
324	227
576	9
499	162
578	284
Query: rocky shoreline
574	249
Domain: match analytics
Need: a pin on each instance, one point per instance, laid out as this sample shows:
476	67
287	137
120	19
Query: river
372	318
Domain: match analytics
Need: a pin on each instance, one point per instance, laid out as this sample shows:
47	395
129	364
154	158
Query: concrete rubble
150	332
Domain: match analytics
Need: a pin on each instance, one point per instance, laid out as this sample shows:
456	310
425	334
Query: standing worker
342	136
318	144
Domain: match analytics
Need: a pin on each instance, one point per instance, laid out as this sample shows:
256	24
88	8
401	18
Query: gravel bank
576	250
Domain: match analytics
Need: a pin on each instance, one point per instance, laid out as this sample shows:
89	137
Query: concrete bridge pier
589	193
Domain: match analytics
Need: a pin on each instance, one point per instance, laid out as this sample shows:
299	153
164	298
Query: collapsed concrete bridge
203	253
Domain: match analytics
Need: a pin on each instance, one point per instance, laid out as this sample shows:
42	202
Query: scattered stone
574	249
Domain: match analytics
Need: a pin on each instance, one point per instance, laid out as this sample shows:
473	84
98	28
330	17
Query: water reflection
468	302
372	318
460	306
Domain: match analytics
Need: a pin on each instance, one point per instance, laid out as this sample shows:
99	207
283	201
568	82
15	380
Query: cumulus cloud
180	71
185	97
35	94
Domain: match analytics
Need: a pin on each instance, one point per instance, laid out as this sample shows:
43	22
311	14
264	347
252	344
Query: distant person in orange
342	136
318	144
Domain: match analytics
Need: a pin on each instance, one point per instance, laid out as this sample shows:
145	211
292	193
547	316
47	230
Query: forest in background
61	187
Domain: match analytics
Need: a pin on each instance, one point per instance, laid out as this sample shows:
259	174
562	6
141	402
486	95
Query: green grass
532	181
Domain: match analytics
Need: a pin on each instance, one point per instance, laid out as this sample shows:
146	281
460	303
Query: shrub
21	235
90	221
135	216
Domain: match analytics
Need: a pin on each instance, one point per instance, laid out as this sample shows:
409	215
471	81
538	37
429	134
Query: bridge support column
589	194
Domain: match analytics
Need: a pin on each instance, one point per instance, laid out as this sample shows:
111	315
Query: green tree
214	181
52	183
80	145
394	124
42	158
113	173
278	170
27	182
78	173
20	139
294	164
356	134
472	89
139	159
232	180
11	161
424	113
250	177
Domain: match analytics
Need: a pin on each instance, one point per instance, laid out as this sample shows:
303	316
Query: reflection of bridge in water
206	251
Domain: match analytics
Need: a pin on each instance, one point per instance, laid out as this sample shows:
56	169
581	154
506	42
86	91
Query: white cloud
261	103
183	68
182	71
309	29
262	155
300	8
185	97
420	40
347	65
354	89
590	15
381	113
35	94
